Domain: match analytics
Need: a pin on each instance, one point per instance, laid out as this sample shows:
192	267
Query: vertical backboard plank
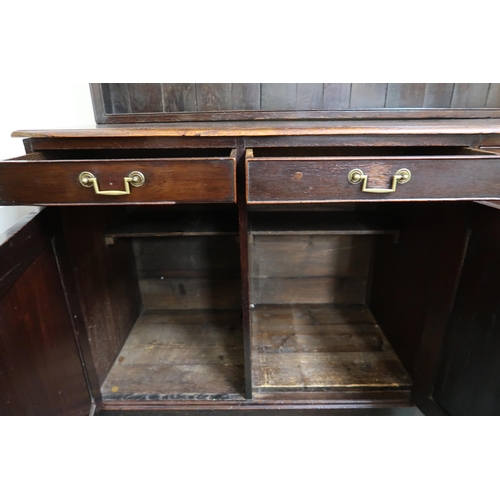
245	96
309	96
145	97
278	96
120	97
336	95
178	97
213	96
493	99
438	95
405	95
106	104
470	95
368	95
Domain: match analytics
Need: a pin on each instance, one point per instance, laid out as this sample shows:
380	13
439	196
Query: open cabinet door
467	377
41	370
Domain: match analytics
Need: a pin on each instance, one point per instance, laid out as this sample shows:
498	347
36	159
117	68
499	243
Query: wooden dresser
257	266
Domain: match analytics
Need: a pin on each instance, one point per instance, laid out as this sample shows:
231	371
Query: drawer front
53	182
271	180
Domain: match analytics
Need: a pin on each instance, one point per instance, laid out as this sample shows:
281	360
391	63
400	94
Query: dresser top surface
260	128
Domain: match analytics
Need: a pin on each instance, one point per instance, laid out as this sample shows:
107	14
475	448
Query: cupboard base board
180	354
322	349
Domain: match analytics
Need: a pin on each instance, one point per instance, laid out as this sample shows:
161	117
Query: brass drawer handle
135	178
402	176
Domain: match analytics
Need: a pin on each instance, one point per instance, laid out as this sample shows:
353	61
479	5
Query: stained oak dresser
258	262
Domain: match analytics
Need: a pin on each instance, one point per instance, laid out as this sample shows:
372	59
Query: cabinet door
41	371
467	376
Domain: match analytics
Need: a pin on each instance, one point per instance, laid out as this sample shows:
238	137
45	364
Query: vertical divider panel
244	258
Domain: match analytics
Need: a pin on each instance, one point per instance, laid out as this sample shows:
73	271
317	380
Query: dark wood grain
183	181
244	266
213	96
314	180
106	281
171	143
413	283
296	116
178	97
245	96
120	99
145	97
63	258
101	100
110	98
20	244
39	359
223	101
468	379
193	253
135	143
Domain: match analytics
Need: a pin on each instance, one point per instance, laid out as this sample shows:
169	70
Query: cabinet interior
312	328
187	342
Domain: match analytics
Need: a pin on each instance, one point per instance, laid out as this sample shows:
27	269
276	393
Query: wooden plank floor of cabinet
180	355
303	347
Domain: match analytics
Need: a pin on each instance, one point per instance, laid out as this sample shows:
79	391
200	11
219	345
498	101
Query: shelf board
177	223
322	348
319	223
180	355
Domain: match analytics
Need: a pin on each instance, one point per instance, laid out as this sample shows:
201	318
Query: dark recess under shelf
310	223
176	223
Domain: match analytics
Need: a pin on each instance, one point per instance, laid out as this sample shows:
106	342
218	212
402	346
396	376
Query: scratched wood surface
350	125
299	347
180	355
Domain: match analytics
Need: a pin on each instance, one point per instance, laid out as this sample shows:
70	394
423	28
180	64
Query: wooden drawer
54	178
295	175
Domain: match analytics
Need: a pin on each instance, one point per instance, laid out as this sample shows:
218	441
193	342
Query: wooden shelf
322	348
180	355
318	223
177	223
